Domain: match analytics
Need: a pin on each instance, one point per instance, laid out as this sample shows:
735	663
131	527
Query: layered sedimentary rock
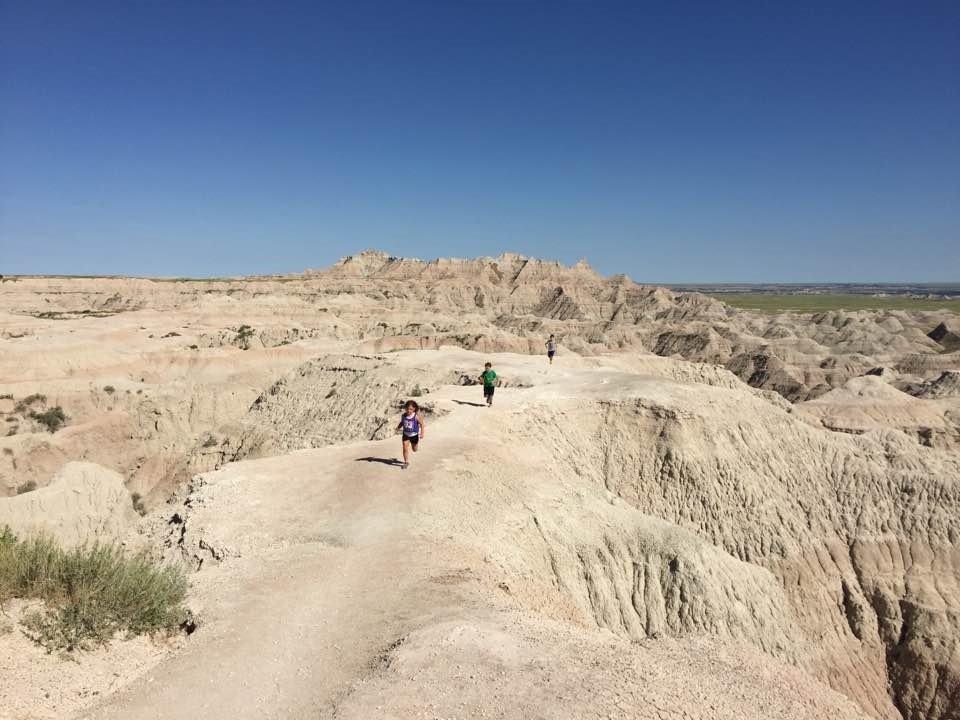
767	501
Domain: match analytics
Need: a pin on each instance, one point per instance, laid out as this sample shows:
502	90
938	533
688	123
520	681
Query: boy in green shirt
489	379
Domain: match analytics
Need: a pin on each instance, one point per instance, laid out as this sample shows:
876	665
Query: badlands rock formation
929	413
83	503
147	369
948	337
696	512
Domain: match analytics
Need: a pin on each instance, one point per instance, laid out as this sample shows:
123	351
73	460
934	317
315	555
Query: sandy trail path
348	588
327	571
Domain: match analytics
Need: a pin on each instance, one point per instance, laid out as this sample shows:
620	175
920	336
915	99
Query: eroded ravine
860	531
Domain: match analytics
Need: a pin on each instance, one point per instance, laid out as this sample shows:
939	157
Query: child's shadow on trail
385	461
471	404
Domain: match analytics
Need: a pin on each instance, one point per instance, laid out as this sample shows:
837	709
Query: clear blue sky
673	141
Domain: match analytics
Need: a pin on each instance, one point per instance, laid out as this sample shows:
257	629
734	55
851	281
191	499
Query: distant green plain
832	301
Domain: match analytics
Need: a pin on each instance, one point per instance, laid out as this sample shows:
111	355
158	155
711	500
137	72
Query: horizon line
294	275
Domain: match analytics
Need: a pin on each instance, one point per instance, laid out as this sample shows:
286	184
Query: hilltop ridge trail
492	579
318	563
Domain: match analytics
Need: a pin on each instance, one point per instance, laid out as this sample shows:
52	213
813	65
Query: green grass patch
832	301
90	593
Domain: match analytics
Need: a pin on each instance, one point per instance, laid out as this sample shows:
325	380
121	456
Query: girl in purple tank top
412	425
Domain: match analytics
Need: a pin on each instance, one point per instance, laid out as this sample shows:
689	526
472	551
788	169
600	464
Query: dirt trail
335	585
291	623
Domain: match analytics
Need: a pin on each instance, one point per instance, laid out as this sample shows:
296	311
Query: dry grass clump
52	419
90	593
23	405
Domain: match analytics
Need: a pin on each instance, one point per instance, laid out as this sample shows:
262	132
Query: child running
489	379
412	425
551	348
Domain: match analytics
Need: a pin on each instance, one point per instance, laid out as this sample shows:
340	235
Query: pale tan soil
365	555
355	555
624	534
870	403
165	397
491	671
37	685
84	502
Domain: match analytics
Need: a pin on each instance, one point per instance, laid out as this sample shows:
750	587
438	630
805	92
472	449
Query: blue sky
676	142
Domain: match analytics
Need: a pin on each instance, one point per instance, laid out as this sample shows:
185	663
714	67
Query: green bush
90	592
52	419
6	396
109	389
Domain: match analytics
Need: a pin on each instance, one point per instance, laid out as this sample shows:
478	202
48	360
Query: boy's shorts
412	439
488	390
551	353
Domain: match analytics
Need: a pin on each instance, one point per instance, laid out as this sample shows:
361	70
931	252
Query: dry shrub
91	592
52	419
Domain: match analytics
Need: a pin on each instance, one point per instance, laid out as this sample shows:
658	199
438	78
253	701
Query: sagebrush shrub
90	592
52	419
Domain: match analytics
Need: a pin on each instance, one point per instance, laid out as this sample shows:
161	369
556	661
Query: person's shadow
385	461
471	404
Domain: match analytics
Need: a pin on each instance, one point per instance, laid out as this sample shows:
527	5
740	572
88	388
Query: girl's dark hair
408	403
